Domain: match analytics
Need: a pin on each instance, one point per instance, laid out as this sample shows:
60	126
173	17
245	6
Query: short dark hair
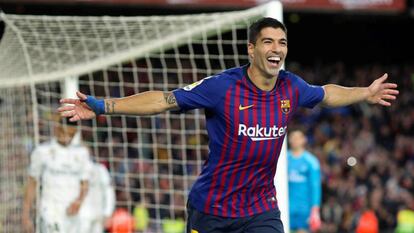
62	121
256	27
56	118
67	122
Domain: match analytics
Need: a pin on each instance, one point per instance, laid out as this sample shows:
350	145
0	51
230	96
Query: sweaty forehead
273	33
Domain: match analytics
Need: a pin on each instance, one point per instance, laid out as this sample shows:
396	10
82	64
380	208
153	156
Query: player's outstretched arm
379	92
146	103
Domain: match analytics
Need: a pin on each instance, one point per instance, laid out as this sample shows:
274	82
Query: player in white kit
60	167
99	203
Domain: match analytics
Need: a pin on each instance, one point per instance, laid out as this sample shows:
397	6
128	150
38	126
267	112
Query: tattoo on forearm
110	106
170	98
107	110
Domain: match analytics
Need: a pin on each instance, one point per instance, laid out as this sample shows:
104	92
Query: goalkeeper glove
315	219
97	105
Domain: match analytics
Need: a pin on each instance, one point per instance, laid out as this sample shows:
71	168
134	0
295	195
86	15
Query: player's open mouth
274	60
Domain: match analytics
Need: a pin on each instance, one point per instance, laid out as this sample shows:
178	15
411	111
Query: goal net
153	161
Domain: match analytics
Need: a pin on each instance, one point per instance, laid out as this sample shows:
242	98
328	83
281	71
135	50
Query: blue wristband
97	105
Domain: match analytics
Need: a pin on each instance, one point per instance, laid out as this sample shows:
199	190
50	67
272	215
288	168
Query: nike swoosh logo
241	108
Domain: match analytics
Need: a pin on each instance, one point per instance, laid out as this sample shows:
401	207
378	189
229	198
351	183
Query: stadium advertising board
375	5
314	5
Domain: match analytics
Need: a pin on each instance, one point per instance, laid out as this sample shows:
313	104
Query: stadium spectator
405	223
121	221
141	218
367	222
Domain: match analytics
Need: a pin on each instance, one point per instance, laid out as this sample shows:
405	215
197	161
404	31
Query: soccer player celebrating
61	168
304	175
247	112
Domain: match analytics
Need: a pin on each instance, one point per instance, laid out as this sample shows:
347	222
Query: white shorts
91	225
53	219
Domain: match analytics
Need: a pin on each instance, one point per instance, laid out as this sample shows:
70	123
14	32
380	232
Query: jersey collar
253	86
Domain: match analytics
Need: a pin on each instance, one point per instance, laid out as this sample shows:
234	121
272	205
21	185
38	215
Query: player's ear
250	50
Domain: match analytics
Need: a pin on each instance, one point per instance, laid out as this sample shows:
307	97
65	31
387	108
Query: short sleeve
202	94
36	163
107	189
104	175
309	95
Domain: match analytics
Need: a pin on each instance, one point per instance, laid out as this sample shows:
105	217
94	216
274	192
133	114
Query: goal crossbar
213	22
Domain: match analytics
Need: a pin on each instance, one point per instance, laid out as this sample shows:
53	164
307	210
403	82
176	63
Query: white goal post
153	160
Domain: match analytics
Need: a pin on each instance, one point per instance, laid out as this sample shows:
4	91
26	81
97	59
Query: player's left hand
73	208
382	93
77	109
315	222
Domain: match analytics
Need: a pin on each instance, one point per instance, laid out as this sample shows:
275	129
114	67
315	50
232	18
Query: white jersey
99	203
100	200
61	169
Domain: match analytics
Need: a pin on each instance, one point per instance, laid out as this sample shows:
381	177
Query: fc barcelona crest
285	106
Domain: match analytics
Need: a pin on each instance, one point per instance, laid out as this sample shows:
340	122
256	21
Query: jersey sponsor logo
285	106
295	177
63	171
257	133
241	108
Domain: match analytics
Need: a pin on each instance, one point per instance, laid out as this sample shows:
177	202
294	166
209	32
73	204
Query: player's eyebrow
267	38
271	39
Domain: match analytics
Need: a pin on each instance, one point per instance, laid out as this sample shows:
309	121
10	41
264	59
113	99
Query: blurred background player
99	203
305	189
61	168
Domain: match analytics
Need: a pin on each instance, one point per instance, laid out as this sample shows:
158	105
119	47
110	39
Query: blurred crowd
366	152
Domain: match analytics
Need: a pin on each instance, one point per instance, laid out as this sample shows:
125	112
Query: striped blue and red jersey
246	127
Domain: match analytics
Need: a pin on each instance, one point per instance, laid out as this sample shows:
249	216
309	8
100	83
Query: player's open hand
73	208
76	109
315	222
381	92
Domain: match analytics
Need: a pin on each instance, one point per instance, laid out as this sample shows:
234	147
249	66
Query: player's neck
62	142
297	152
259	80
